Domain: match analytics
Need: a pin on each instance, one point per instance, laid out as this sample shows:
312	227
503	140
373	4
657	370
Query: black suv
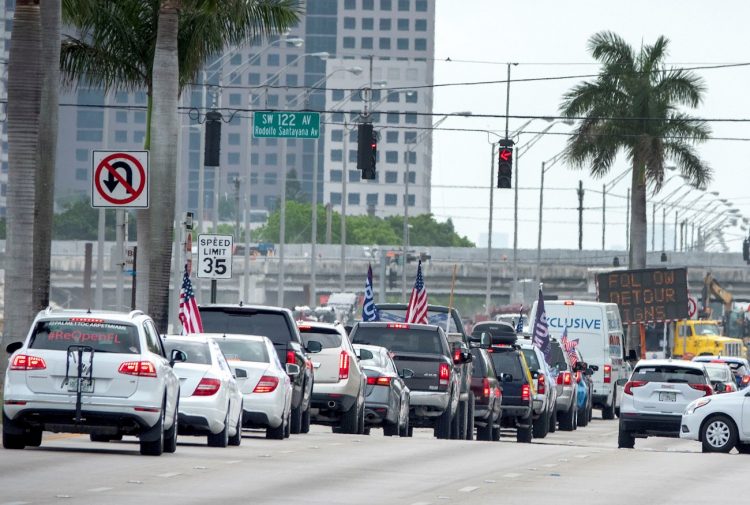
512	370
428	366
449	320
277	324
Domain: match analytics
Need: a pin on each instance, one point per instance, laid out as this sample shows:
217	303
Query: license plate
87	386
665	396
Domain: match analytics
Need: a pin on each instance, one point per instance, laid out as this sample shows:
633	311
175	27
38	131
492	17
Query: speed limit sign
215	256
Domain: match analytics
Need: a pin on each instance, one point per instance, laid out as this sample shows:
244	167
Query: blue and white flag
369	309
519	324
540	332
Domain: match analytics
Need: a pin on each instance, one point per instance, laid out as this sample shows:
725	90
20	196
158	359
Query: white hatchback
720	422
102	373
655	397
210	400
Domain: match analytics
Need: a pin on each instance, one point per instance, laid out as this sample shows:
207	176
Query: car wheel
496	431
486	433
567	419
170	437
296	416
236	439
288	430
458	423
524	435
541	426
220	439
405	430
96	437
608	413
361	420
390	429
155	447
34	438
444	425
350	421
305	428
552	423
583	417
470	418
625	439
278	432
718	434
410	433
743	448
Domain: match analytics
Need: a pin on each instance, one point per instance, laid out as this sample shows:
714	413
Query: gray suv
567	388
545	390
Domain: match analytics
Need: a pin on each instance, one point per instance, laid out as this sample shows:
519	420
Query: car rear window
196	352
400	339
668	373
557	358
719	373
247	322
478	370
102	336
433	317
531	359
243	350
507	362
328	338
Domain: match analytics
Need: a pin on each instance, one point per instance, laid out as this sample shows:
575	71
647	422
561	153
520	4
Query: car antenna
240	303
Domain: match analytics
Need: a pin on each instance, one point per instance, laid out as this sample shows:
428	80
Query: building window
89	135
121	116
337	95
337	135
368	23
412	200
421	6
121	97
121	136
233	158
402	44
350	4
384	43
233	139
352	155
385	5
410	118
372	199
272	100
391	137
354	176
412	177
335	176
390	199
254	159
273	60
366	42
335	198
410	137
420	44
272	159
337	155
81	175
403	5
269	178
394	97
391	177
368	5
350	23
420	25
348	42
269	202
82	154
385	24
391	156
140	97
337	117
412	97
253	200
392	118
412	157
272	142
139	136
235	99
403	25
139	117
253	78
254	178
232	177
353	198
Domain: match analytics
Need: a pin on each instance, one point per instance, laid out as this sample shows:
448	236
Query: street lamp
546	165
606	187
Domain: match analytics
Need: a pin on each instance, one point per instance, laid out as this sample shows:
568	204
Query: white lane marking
511	475
490	481
582	456
63	496
264	455
287	452
98	489
168	474
22	503
233	461
549	465
421	503
444	497
135	482
468	489
199	468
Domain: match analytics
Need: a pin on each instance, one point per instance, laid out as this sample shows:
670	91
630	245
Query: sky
475	39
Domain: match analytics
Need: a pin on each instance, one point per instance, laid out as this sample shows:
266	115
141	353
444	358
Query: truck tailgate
426	368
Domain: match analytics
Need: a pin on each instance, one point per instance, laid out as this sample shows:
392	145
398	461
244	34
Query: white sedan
264	382
210	400
720	422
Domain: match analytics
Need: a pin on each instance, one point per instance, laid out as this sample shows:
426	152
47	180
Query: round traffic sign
692	307
120	179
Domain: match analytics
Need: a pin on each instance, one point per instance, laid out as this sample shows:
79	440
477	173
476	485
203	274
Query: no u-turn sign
120	179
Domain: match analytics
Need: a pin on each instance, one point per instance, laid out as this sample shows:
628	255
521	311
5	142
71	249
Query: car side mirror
177	356
240	373
313	346
406	373
13	347
588	372
292	369
485	341
594	368
507	377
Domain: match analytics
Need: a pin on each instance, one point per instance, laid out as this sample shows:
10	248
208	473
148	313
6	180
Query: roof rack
136	312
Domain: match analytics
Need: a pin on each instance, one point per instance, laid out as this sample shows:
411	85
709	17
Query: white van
598	328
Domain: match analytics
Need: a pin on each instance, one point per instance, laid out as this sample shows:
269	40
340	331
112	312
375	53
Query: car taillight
138	368
728	388
266	384
746	380
378	381
343	365
564	378
486	391
541	384
633	384
457	355
25	362
207	387
525	392
291	357
444	373
397	326
703	387
607	374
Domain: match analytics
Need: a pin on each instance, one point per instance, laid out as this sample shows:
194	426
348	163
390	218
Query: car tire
236	439
220	439
583	417
540	428
305	428
96	437
608	413
496	431
296	416
154	447
470	418
390	429
743	448
350	421
625	439
486	433
276	433
444	424
361	421
288	430
405	430
13	441
552	423
567	419
170	437
33	438
410	432
718	434
524	435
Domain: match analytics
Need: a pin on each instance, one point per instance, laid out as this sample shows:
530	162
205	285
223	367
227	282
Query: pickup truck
449	320
425	360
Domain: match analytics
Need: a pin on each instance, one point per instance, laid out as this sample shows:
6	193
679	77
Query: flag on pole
369	309
540	331
519	324
190	317
570	347
416	311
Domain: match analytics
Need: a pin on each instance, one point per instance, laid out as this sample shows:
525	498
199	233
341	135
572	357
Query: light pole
605	188
545	166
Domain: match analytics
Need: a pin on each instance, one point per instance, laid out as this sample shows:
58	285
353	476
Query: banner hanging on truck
647	295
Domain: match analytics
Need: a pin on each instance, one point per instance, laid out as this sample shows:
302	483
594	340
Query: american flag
190	317
416	312
570	347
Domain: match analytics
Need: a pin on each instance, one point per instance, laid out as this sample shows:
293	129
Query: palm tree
117	50
634	106
24	95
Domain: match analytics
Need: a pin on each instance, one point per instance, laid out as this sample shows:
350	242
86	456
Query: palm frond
84	64
680	86
610	48
698	173
685	128
652	56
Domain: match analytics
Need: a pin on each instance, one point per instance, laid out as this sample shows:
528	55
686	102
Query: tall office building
6	24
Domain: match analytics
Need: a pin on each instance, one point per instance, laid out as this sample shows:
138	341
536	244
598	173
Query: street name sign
215	256
119	179
287	125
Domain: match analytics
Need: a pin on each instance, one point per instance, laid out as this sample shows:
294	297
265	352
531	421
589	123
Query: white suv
101	373
655	397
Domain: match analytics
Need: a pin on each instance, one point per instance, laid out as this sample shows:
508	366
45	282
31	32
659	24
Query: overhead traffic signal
367	150
505	167
212	152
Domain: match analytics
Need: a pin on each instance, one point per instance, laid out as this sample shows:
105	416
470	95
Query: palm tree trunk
45	182
163	161
24	95
638	223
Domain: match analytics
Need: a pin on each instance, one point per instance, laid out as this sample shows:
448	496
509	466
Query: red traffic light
506	154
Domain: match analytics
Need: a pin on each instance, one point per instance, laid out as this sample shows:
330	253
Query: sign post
215	259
